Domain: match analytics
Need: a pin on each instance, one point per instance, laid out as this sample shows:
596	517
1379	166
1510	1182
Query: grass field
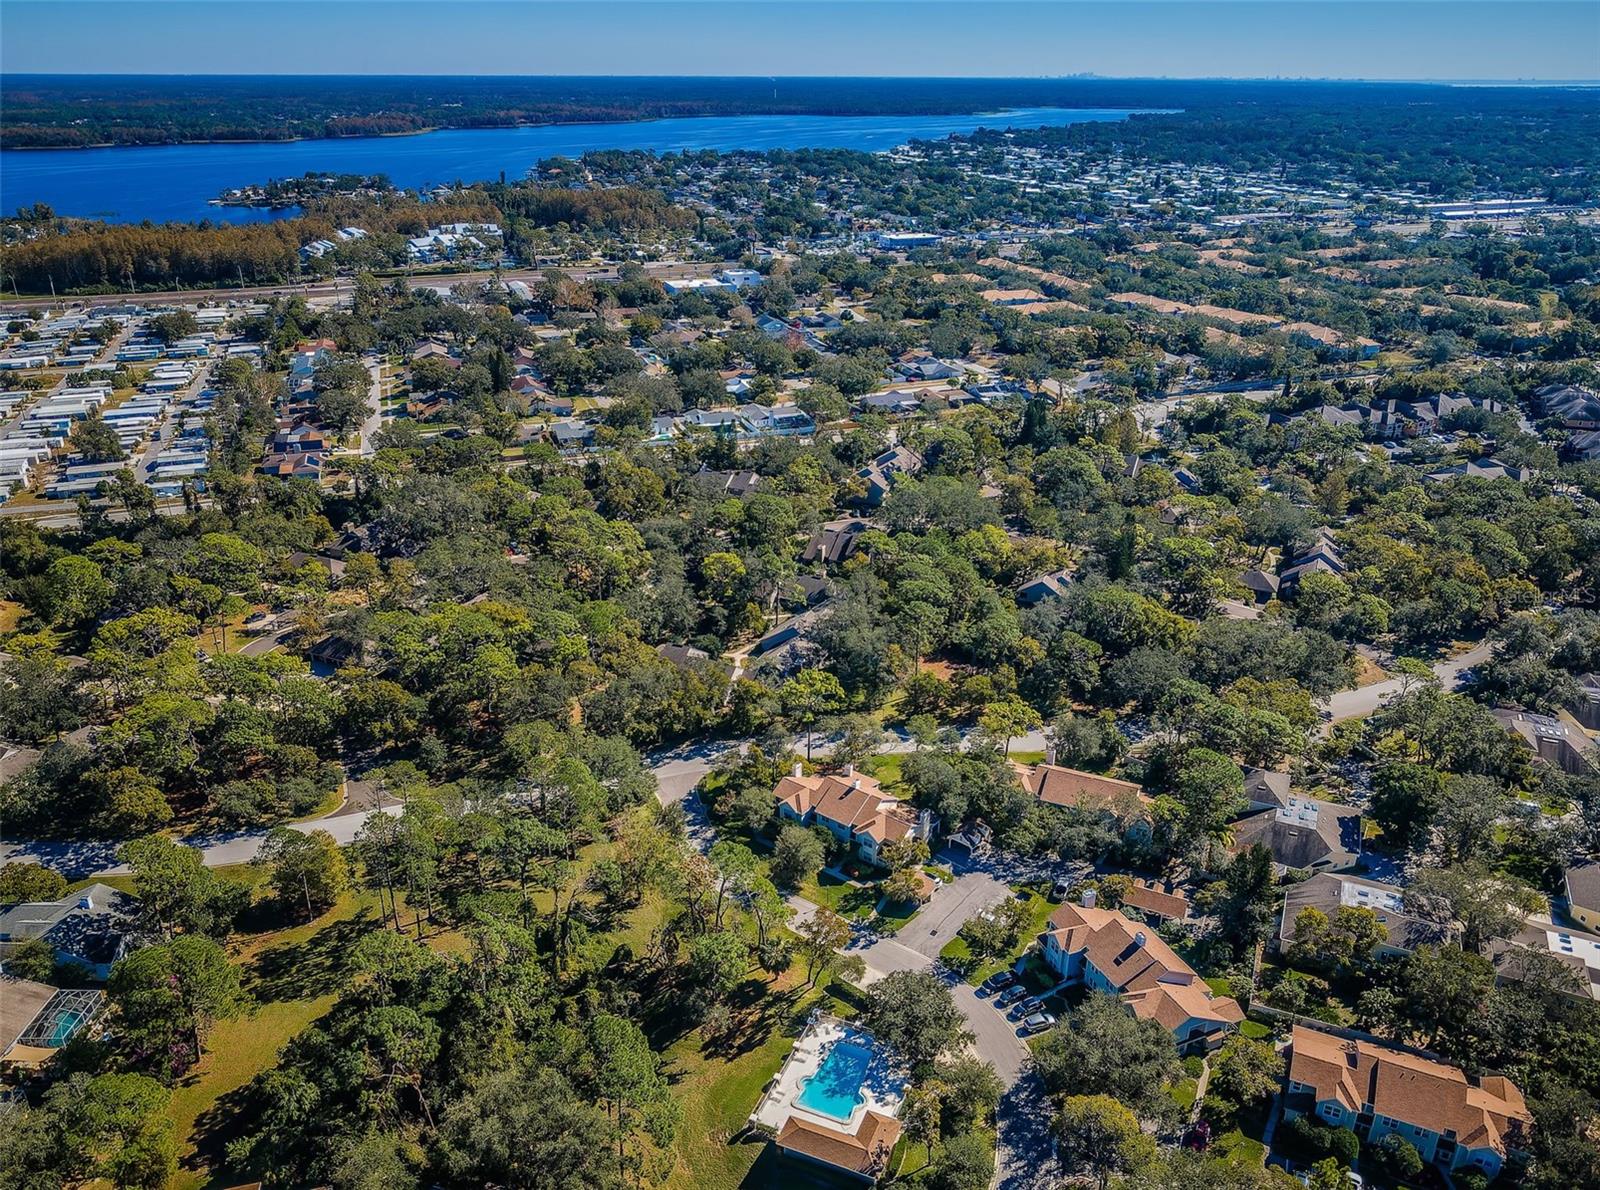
293	976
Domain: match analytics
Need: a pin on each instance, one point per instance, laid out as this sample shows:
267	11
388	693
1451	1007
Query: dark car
1026	1008
1000	979
1060	889
1010	996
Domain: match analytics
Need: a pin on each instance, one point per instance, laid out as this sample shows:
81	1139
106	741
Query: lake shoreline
301	140
175	183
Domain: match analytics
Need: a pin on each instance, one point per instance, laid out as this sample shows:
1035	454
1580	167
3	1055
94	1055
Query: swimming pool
835	1089
64	1027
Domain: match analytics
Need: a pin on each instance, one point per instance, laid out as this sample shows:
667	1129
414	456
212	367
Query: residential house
1374	1090
1322	558
92	928
734	483
1581	884
853	808
1550	739
1332	891
782	421
1263	587
295	465
884	470
1104	951
1575	407
1045	587
1123	802
1303	835
895	403
1577	951
1157	903
1473	469
834	542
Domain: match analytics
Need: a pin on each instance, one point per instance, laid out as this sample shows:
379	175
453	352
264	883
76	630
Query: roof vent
86	902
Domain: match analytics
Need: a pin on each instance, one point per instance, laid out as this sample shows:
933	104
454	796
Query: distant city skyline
1388	40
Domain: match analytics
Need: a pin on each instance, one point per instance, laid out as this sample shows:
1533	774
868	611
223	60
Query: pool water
835	1089
64	1027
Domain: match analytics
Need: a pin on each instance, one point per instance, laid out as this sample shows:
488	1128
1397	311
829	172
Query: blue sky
1375	39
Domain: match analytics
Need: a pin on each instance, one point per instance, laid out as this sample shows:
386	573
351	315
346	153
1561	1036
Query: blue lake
166	182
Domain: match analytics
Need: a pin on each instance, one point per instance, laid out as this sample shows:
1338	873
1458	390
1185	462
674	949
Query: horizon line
1520	80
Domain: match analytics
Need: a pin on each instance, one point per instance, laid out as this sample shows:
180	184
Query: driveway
1355	704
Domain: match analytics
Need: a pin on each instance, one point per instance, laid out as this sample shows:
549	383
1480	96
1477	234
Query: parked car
1000	979
1059	890
1037	1023
1010	996
1026	1008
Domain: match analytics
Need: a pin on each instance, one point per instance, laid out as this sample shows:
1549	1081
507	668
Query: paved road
1354	704
374	419
95	857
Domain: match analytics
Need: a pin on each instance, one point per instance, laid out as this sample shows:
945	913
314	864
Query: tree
969	1090
914	1012
304	868
1097	1134
965	1163
97	441
1485	904
822	936
797	855
1246	1072
1335	944
1446	992
23	880
175	888
1101	1048
1396	1156
528	1127
1328	1174
627	1073
168	996
809	696
1008	718
1243	899
1405	798
113	1128
919	1114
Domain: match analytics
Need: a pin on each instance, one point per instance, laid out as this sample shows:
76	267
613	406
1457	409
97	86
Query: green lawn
293	977
1236	1148
1255	1030
718	1085
852	901
958	955
1182	1093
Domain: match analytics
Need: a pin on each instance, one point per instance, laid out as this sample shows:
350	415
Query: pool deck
882	1089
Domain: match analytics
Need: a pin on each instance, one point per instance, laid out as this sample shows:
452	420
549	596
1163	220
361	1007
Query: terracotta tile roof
1150	899
853	800
1410	1088
867	1152
1058	786
1150	978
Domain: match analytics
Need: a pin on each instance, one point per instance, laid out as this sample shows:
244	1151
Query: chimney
1050	753
1139	938
798	768
849	770
1087	899
86	901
